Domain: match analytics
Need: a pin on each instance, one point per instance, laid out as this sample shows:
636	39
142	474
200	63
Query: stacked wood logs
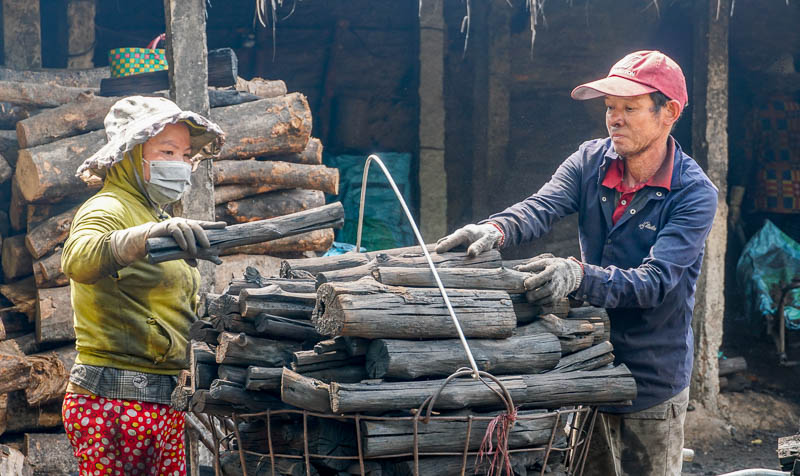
369	334
270	167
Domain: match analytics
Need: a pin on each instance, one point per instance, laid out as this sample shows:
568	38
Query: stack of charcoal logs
269	167
369	334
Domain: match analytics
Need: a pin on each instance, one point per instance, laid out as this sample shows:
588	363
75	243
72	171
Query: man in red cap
645	209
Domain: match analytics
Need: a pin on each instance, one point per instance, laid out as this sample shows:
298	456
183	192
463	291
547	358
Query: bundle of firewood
369	334
269	167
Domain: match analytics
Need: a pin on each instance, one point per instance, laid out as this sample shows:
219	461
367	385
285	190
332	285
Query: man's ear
673	111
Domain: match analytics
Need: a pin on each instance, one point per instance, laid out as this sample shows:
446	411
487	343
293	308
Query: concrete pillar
80	27
432	174
710	149
187	55
22	34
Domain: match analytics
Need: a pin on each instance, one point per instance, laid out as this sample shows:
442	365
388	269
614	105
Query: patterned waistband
124	384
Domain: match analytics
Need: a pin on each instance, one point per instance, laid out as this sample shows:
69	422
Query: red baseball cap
638	73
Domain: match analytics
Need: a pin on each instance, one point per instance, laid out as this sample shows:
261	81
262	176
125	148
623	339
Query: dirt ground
751	421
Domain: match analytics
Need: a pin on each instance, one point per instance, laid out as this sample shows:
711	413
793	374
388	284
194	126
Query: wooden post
187	55
22	34
710	149
499	98
80	41
432	173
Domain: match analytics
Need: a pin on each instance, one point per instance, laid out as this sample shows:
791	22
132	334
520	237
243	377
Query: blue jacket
643	269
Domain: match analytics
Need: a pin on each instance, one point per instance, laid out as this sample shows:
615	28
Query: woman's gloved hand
551	279
479	238
128	245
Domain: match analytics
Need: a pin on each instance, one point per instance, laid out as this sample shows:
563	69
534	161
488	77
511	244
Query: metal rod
373	157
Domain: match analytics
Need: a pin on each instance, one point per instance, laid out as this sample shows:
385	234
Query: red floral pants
124	437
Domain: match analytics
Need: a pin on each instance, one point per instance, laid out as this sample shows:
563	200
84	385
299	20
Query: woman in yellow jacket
132	317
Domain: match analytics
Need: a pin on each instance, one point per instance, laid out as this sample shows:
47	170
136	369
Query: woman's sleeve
87	252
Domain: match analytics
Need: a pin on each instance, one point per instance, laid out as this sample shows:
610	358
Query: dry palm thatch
267	10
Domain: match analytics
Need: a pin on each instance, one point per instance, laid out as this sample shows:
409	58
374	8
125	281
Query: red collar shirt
614	179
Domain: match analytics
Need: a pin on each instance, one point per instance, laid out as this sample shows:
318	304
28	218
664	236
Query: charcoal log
257	281
269	205
527	312
380	438
368	309
459	278
403	359
489	259
594	357
328	216
310	267
263	378
241	349
306	393
317	240
277	327
6	171
233	373
242	399
231	464
552	390
273	300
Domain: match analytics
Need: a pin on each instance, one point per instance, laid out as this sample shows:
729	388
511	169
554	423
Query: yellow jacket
133	318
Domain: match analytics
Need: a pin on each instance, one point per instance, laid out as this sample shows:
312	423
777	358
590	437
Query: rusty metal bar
305	443
576	449
550	443
466	447
269	443
360	450
239	442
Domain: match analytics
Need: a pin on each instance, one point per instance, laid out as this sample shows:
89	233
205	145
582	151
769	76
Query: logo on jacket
647	226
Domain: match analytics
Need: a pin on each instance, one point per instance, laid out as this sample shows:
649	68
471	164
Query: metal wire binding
475	371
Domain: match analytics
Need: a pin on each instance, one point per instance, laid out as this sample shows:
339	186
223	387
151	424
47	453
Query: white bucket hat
133	120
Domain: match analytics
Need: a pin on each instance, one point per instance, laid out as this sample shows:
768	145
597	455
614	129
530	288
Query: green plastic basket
134	60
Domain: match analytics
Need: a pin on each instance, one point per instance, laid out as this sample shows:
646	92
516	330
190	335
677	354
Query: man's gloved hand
128	245
552	278
479	238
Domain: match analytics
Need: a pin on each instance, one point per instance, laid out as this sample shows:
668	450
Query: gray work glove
551	279
128	245
479	238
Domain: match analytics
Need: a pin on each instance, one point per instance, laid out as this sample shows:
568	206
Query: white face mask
169	180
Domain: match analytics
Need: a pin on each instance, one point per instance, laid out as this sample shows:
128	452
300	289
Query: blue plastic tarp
385	224
770	260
